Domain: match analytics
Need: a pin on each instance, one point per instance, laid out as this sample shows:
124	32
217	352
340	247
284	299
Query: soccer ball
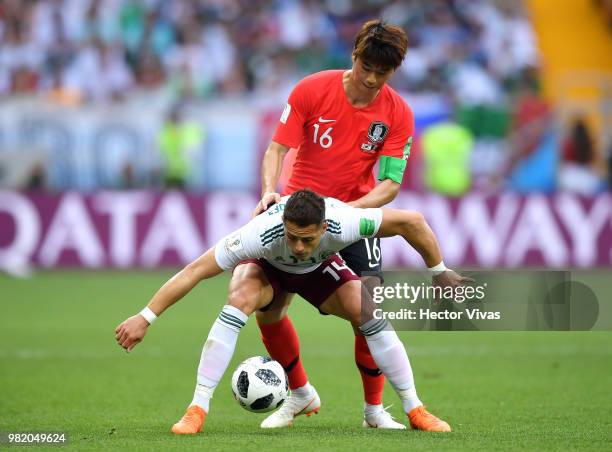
260	384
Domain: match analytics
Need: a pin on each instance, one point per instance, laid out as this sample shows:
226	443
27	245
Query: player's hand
131	332
266	201
449	278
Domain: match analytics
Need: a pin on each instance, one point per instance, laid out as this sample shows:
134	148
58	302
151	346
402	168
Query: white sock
202	396
303	391
372	409
410	399
217	353
390	356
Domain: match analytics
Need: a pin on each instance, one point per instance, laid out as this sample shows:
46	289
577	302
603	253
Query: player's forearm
184	281
271	167
422	239
381	195
172	291
414	229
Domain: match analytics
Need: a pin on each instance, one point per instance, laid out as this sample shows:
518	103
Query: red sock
371	376
281	341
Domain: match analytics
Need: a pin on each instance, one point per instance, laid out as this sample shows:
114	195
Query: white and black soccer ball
260	384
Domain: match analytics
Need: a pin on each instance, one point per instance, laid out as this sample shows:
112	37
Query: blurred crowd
105	49
480	56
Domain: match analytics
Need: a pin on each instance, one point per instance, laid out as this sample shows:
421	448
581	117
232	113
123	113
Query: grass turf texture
60	369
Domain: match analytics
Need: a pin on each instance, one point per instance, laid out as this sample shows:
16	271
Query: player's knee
355	323
276	310
249	290
354	315
346	303
243	299
271	316
356	319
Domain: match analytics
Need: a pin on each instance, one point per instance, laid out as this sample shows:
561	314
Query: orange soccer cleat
191	422
421	419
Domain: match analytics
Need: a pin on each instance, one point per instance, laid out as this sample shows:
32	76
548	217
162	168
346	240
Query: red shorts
315	286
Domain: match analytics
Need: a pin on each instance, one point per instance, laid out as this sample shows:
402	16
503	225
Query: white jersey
264	237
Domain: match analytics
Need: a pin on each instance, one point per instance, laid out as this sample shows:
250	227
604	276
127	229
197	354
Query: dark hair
381	44
304	208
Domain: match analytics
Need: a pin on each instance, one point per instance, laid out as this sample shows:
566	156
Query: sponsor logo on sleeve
233	243
286	113
366	227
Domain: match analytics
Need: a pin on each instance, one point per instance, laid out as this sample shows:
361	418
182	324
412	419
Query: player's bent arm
179	285
382	194
414	229
271	168
131	331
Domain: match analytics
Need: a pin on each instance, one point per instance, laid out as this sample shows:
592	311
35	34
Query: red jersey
338	144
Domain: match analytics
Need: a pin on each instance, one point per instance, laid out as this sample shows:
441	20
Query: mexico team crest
378	131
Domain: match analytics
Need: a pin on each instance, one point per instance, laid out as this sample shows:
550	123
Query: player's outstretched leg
373	380
374	413
282	343
249	290
215	358
216	354
390	355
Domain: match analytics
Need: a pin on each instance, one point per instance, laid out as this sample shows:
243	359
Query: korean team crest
378	131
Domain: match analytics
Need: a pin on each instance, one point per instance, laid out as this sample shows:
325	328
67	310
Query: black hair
305	208
381	44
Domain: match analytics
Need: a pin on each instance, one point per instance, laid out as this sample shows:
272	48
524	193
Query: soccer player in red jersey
341	122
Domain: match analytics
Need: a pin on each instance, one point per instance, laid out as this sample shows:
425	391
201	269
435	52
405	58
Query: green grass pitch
60	369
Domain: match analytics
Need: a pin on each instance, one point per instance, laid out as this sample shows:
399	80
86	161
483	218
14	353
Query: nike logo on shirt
321	119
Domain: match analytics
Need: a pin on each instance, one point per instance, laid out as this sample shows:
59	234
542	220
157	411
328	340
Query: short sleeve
290	128
359	224
238	246
399	140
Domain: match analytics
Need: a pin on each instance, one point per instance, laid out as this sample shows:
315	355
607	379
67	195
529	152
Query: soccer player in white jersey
293	248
